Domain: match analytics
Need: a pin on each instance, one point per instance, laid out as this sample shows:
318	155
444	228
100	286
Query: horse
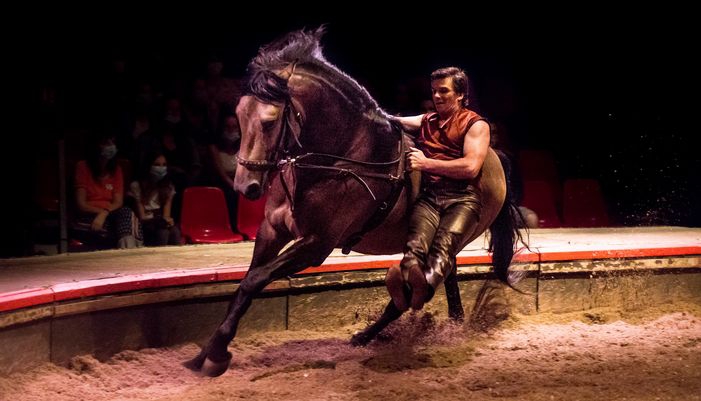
332	163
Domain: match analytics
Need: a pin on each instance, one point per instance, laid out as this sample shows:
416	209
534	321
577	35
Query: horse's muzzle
253	191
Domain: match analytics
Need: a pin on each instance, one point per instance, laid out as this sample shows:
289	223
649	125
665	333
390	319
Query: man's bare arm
411	124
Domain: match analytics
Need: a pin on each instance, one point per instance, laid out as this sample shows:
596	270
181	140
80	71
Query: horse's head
291	85
266	132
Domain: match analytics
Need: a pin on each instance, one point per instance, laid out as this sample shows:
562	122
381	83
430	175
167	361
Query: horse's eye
268	125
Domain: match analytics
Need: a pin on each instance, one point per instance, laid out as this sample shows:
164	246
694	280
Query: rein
282	160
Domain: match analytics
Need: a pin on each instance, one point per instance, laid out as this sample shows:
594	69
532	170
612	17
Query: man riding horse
339	163
452	145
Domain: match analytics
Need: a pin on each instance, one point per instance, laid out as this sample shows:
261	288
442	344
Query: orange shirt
98	194
445	141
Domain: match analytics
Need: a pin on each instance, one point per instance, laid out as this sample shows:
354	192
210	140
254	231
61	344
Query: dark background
613	96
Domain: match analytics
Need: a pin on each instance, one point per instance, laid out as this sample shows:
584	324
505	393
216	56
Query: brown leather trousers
442	218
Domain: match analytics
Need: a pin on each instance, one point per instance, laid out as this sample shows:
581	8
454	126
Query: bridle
281	147
282	158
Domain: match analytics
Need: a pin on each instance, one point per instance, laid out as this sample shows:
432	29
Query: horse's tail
505	230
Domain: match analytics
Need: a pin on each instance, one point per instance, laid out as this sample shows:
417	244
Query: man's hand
169	221
416	160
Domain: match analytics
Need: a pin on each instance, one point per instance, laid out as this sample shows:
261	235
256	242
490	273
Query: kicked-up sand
604	354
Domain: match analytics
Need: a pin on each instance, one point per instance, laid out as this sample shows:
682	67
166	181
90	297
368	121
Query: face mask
158	172
108	152
233	135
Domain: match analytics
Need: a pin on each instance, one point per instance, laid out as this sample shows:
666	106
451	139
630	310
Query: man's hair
460	82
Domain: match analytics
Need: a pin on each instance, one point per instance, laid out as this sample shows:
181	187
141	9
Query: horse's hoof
360	339
195	364
214	369
395	287
419	287
457	316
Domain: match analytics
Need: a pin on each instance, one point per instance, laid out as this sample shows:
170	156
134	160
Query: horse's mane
301	48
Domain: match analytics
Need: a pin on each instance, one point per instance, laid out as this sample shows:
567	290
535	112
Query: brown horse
337	164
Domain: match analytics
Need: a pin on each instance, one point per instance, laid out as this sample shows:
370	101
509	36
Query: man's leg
422	228
459	221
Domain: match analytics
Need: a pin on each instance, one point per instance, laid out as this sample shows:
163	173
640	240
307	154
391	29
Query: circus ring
54	309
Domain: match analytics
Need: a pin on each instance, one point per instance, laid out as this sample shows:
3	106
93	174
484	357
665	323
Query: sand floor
604	354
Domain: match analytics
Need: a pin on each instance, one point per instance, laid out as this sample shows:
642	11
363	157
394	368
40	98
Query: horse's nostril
253	191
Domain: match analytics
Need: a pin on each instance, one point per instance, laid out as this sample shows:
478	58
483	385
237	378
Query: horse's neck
333	127
341	117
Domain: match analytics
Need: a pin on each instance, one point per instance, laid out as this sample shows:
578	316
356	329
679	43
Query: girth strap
384	208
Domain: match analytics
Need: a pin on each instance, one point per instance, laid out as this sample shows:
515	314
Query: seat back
249	216
46	191
204	216
539	196
539	165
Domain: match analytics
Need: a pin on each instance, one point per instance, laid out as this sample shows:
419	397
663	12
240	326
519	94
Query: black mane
301	48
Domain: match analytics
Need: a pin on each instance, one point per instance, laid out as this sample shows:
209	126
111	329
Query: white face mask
232	135
108	151
158	172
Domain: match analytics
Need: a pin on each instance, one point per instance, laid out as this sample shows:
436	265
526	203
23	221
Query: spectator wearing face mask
99	195
172	139
223	149
152	195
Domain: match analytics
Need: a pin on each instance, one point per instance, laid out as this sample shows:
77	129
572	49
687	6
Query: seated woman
153	195
223	149
99	194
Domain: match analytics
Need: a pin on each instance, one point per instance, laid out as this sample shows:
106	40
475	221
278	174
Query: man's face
445	98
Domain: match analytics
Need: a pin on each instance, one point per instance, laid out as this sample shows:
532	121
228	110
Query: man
451	145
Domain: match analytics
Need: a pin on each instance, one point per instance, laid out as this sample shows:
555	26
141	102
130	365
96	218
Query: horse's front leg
306	251
268	243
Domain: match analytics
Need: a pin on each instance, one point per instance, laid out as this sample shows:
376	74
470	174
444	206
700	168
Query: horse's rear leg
452	293
214	358
390	314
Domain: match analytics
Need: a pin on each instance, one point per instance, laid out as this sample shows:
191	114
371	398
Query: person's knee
446	243
123	213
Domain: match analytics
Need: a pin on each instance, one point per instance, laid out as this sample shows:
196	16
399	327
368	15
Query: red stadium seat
539	165
204	218
249	216
539	197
